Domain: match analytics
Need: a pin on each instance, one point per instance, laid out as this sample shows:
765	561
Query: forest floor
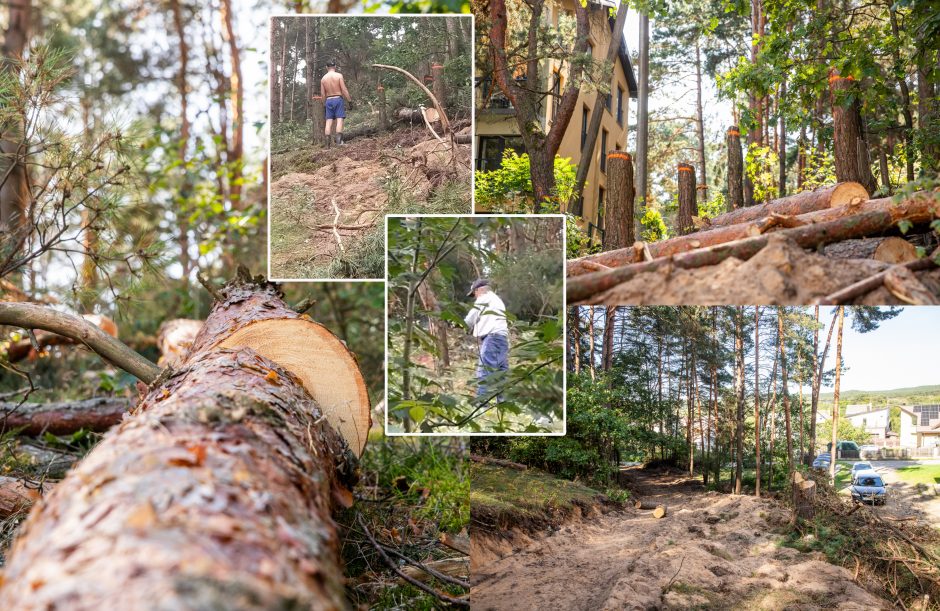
781	273
351	188
711	551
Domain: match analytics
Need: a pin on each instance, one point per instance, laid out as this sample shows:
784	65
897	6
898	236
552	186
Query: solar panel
927	413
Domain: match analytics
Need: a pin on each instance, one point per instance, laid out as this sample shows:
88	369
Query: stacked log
218	491
742	241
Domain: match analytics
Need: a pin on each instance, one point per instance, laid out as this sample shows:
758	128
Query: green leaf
417	413
905	225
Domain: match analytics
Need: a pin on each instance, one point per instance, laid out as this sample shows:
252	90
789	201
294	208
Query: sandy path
713	551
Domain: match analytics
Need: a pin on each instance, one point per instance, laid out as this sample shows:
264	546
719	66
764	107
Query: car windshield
869	481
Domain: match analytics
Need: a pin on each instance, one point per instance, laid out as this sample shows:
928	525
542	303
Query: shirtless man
333	89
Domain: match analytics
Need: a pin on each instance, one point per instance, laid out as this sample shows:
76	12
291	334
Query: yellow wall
501	125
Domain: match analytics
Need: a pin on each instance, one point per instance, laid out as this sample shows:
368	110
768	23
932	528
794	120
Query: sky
902	352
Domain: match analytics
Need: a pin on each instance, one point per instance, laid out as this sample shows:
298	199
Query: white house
877	422
857	408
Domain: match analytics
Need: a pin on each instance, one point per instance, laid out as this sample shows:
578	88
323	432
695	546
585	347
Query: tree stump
803	497
735	170
218	491
439	87
688	208
618	211
383	108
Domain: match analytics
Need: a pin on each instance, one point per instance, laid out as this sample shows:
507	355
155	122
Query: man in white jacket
487	322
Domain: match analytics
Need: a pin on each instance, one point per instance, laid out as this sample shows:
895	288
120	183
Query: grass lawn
920	474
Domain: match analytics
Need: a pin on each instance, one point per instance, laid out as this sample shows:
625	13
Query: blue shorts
335	108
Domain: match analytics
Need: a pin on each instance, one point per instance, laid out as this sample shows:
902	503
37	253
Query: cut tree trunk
847	132
174	338
688	208
804	497
890	250
918	209
800	203
437	71
218	491
659	511
318	123
723	235
63	418
621	195
735	170
383	108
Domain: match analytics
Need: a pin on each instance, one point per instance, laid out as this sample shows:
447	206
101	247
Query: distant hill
905	396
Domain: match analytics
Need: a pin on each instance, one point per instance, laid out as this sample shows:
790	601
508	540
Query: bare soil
780	274
712	551
358	178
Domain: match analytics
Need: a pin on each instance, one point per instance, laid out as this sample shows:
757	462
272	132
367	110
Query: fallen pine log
724	235
45	339
218	491
920	209
50	462
862	287
174	338
638	504
63	417
16	496
842	194
891	249
498	462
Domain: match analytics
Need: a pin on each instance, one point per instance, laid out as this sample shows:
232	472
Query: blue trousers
494	356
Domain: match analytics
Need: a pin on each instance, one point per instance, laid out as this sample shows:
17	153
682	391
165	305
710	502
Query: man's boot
339	139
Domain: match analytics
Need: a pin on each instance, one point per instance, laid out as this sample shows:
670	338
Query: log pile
217	491
839	222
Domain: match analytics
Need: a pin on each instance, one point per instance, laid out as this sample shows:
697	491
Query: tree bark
835	196
642	115
618	213
440	92
16	496
701	191
688	208
438	329
610	315
235	152
757	423
591	334
383	108
919	209
217	492
833	459
64	417
847	133
14	189
735	170
782	340
804	497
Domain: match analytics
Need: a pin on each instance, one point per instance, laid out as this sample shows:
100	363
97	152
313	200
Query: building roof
624	56
874	411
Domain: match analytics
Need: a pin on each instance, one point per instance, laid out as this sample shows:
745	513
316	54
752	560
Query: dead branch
445	123
30	316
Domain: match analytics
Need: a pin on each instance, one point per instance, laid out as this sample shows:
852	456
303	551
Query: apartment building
497	130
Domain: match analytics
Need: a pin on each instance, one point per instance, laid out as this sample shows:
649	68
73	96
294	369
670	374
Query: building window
600	206
607	101
619	105
604	150
584	125
492	149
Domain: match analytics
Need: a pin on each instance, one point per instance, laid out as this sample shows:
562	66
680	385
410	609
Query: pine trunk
621	195
688	208
735	170
218	491
848	141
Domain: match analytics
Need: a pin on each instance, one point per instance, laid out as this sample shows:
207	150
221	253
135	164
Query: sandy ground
712	551
782	273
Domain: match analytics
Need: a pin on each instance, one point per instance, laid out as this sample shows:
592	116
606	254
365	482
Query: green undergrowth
412	490
502	498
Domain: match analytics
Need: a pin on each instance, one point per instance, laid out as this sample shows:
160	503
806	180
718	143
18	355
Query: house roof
874	411
624	56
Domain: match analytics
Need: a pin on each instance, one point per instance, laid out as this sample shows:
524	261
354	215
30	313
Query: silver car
868	487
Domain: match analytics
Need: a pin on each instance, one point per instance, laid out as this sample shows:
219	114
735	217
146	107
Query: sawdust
782	273
712	551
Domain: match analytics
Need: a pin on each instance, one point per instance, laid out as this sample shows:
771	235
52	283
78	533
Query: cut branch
30	316
445	123
64	418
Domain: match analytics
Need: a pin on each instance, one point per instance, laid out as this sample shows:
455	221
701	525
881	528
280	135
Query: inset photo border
369	115
475	325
